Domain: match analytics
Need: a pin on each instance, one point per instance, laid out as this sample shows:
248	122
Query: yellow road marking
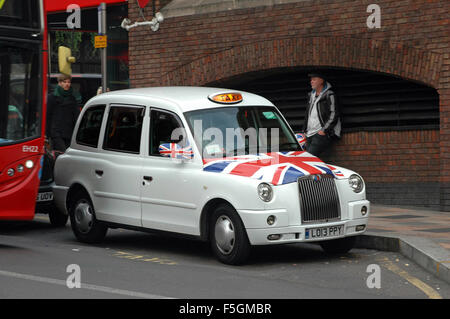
430	292
162	261
2	2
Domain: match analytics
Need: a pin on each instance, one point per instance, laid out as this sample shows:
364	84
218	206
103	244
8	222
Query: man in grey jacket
322	122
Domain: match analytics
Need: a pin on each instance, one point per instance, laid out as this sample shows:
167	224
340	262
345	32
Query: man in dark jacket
322	123
63	108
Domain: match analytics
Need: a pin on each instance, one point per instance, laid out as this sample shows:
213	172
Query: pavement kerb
426	253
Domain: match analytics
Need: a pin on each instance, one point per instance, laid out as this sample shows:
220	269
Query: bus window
21	13
19	109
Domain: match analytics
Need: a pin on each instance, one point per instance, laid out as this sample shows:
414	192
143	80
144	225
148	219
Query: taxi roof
186	98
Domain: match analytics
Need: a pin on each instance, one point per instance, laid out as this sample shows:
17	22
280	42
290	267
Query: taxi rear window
123	129
89	129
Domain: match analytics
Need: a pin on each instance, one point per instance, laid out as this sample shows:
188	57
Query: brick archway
364	54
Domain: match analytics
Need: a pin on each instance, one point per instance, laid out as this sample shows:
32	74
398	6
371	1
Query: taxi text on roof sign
226	98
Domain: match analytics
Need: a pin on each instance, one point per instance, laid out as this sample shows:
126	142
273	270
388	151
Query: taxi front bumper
260	233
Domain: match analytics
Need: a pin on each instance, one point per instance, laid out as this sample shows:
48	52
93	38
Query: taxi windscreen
233	131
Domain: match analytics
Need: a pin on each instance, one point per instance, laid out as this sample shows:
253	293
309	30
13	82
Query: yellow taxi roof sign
226	98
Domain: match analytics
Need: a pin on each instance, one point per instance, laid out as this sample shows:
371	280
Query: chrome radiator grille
319	199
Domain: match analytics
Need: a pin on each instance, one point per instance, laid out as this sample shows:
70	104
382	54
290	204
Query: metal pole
103	53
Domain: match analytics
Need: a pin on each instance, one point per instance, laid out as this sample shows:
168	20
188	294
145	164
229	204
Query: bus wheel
57	219
85	226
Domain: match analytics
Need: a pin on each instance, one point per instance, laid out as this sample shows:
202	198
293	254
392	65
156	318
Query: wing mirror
301	139
174	150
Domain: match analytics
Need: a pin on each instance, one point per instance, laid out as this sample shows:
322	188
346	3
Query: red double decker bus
23	86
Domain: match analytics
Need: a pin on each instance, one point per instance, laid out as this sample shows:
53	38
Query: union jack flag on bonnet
275	168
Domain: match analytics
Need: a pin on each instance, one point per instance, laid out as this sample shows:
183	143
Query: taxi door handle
148	178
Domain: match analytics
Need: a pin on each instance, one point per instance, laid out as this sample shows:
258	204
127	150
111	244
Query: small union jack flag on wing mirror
301	138
174	150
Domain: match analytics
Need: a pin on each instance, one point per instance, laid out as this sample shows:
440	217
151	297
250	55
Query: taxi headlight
356	183
265	192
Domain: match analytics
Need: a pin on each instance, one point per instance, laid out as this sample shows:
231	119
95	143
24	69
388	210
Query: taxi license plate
44	197
324	232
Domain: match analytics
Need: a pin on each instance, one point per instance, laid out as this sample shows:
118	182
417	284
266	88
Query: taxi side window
89	129
162	125
123	129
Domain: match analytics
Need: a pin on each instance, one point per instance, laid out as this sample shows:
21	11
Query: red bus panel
23	92
18	192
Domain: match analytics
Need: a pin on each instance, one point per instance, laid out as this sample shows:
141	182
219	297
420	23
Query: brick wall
399	167
413	43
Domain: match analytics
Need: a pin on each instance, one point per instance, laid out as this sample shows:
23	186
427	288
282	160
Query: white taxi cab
217	165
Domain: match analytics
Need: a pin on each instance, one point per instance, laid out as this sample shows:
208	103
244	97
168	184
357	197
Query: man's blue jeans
317	144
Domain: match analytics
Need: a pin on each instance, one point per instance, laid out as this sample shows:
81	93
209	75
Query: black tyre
85	226
338	246
228	238
57	219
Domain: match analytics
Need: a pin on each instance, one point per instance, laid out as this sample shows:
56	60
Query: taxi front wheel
228	238
83	222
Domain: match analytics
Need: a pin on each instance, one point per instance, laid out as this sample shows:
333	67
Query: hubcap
224	234
84	217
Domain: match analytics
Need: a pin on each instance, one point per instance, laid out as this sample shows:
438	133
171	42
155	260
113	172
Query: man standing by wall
322	123
63	108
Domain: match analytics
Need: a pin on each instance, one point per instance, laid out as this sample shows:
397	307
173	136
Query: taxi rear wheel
228	238
85	226
338	246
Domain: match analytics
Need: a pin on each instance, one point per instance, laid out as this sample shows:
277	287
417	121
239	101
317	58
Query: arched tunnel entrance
390	127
